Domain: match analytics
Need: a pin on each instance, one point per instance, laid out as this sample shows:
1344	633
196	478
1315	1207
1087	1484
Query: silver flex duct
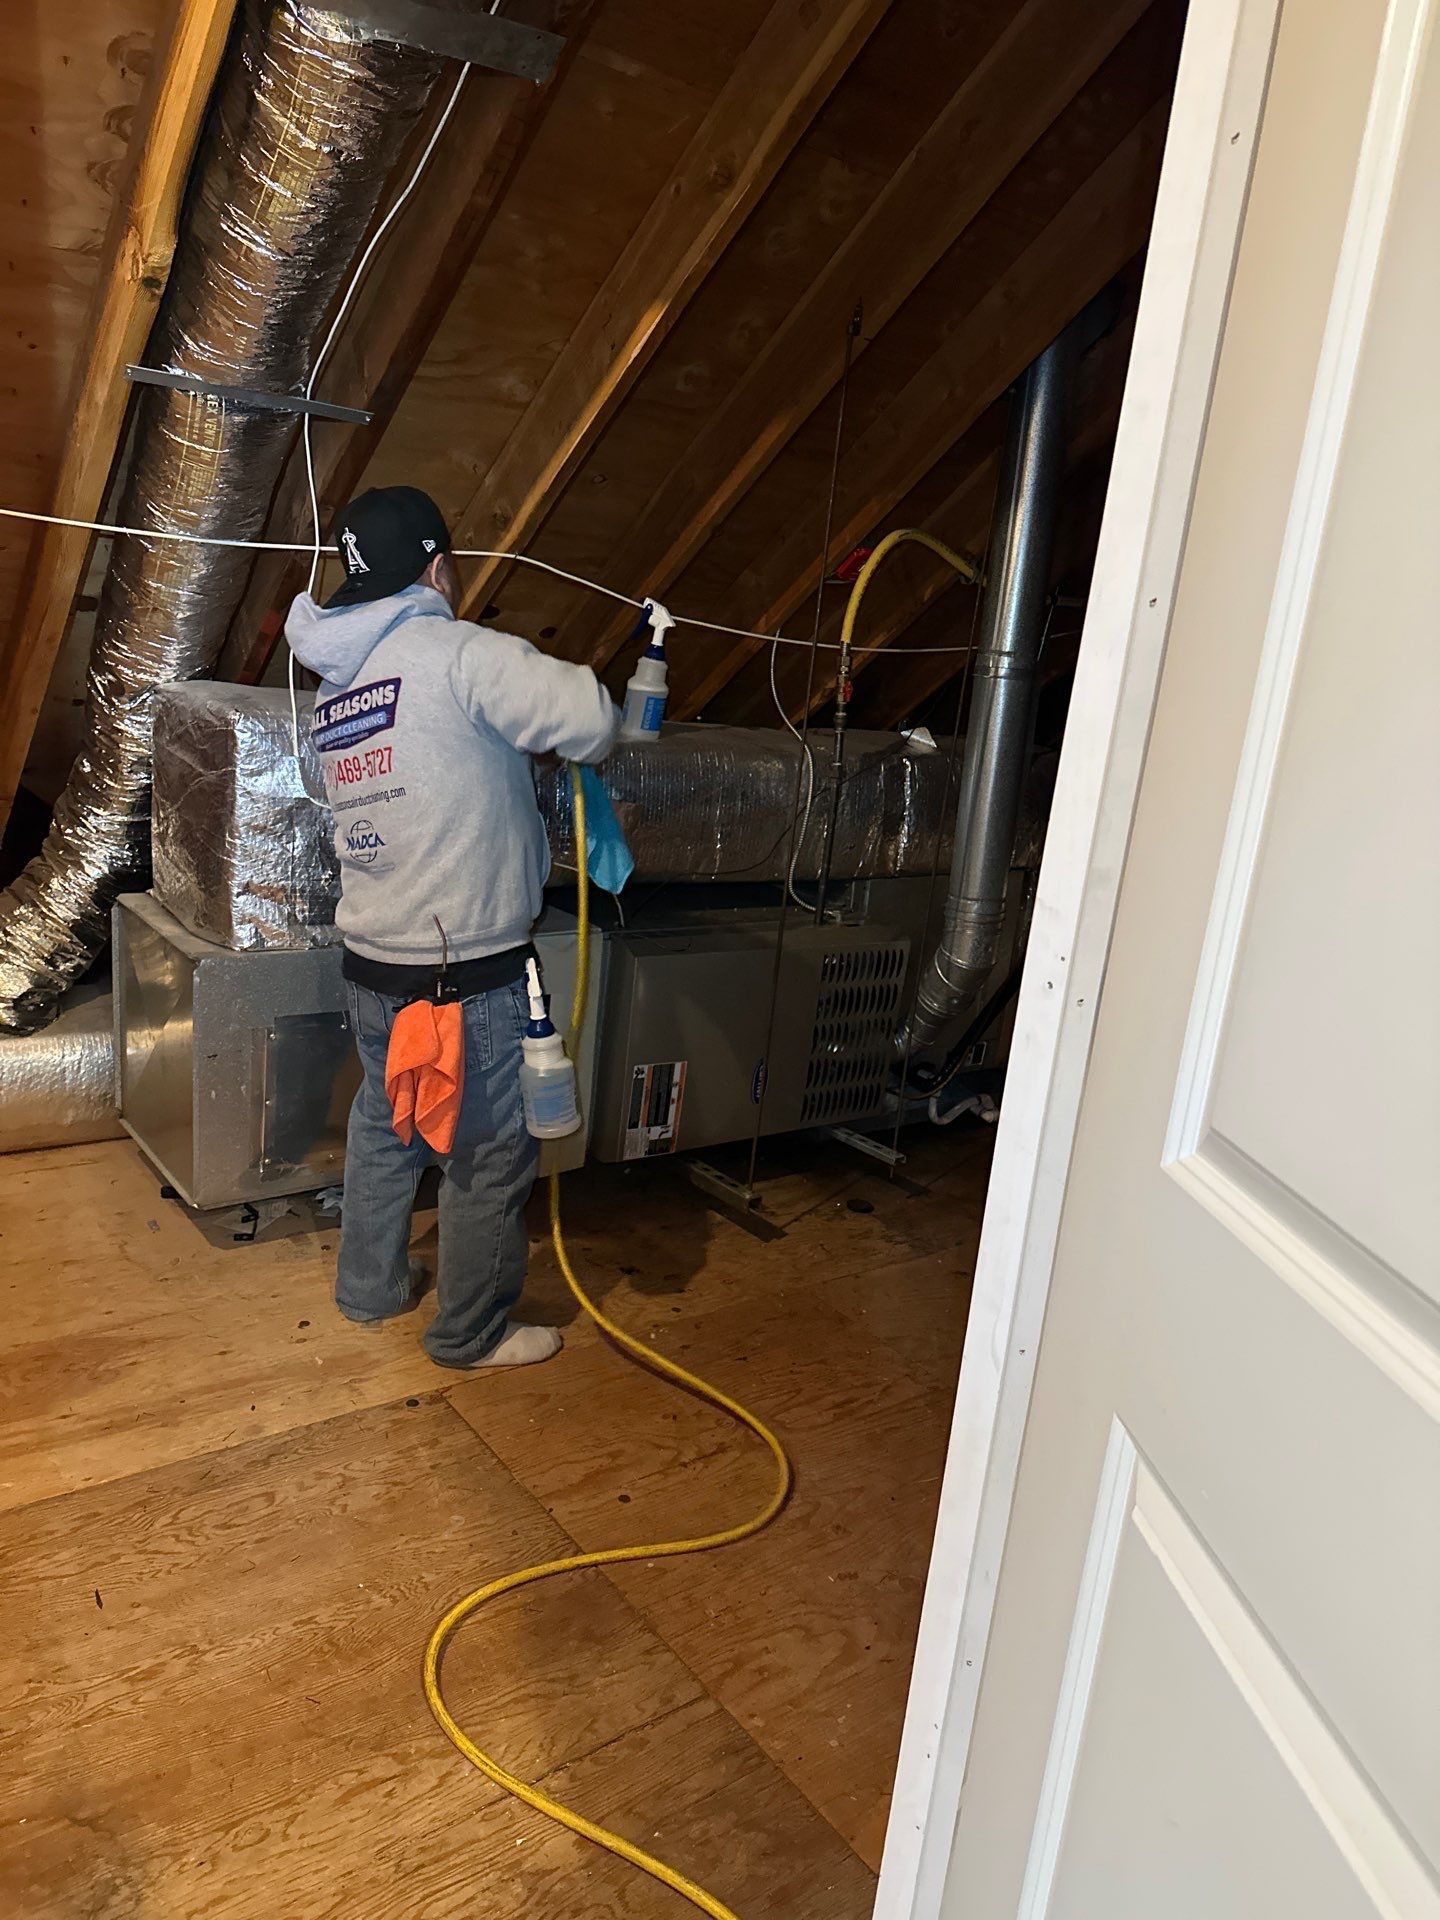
306	124
57	1088
997	740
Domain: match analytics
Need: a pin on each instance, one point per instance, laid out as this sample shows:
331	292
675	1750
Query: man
424	725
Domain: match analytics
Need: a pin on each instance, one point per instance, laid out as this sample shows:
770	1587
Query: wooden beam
139	247
944	505
1033	71
911	677
962	519
769	100
395	318
1099	228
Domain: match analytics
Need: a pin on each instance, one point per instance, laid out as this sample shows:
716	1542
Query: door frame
1204	185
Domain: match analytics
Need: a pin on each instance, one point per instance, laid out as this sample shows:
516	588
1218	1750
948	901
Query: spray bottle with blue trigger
547	1074
646	689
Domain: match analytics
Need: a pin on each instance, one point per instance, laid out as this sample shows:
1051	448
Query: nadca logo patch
363	843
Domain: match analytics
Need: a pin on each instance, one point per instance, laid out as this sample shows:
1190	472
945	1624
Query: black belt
463	978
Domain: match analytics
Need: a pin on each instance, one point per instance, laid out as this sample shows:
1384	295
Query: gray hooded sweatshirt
423	728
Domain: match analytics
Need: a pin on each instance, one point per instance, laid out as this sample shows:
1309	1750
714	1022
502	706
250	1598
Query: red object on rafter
850	566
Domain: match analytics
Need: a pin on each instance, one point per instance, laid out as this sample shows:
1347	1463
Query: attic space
684	729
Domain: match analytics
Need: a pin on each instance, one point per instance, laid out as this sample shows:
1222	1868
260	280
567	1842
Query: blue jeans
485	1181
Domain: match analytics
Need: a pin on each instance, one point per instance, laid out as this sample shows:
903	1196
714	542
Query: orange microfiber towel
425	1071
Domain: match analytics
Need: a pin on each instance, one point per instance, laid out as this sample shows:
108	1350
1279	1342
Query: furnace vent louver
857	1012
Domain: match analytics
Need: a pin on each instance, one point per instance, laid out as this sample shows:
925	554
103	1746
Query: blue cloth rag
608	859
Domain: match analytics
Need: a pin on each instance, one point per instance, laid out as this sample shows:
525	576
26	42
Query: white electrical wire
460	553
803	905
575	579
156	533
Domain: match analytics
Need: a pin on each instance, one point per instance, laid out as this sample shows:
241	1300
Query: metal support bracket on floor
247	396
458	30
862	1143
733	1193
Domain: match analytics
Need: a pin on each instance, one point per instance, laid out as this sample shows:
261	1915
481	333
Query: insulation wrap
57	1088
301	137
244	854
242	851
716	803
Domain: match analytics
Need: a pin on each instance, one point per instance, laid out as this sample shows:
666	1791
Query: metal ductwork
997	739
307	122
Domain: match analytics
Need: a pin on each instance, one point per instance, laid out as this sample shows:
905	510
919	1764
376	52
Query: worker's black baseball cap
387	538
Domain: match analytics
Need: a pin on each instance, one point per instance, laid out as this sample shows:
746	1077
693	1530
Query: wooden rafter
893	605
1100	227
764	107
913	677
396	316
962	518
1039	63
139	248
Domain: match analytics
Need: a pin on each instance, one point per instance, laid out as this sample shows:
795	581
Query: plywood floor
228	1519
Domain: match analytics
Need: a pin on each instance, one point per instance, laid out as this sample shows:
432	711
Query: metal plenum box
685	1043
235	1071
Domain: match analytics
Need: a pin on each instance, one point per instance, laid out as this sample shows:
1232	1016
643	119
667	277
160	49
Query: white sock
522	1347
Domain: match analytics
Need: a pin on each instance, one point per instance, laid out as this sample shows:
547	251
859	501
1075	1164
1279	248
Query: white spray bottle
647	687
547	1075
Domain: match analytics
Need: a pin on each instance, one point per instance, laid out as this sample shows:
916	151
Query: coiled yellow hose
574	1563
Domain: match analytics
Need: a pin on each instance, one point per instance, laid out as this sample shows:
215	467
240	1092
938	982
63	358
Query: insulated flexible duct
301	137
997	739
57	1088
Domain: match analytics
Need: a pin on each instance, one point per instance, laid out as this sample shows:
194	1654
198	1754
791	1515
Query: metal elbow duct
997	739
305	127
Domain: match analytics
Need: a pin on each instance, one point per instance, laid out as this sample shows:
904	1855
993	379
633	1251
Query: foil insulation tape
244	853
301	137
57	1088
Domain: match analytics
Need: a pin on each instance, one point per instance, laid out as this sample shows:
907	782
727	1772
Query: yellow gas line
534	1796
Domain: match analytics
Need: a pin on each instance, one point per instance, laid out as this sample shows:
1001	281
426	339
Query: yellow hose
576	1562
887	545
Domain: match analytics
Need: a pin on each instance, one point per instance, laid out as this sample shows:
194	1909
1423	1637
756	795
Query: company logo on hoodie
363	843
346	718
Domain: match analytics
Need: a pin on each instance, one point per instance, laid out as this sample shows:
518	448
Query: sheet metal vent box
235	1071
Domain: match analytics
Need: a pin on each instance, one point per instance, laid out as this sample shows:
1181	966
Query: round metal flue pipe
997	738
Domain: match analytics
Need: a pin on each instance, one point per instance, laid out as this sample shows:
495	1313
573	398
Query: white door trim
1220	92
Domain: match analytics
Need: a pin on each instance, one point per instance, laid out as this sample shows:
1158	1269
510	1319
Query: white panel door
1212	1687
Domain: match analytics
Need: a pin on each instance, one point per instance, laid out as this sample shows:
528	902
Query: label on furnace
652	1124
